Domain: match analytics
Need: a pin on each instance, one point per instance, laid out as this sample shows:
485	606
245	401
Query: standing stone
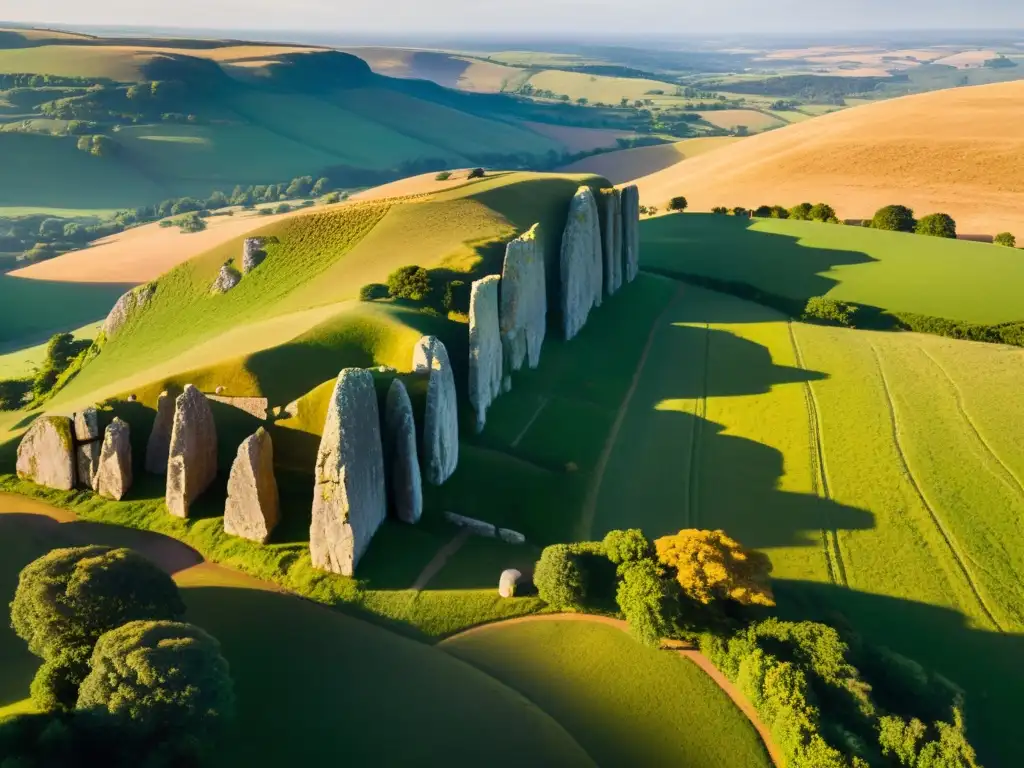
581	263
158	449
253	507
441	419
226	279
349	500
631	232
46	453
114	476
131	302
611	239
508	582
524	303
485	351
192	464
401	459
252	254
88	442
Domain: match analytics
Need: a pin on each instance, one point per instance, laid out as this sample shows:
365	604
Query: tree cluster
409	282
899	218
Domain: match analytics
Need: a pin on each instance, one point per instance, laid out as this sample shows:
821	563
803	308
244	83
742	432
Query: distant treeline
814	88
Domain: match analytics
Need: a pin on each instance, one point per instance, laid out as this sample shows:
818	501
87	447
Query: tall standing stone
401	459
440	454
631	232
252	254
253	506
611	239
192	464
524	303
582	270
349	500
128	305
46	453
158	449
485	351
114	475
88	442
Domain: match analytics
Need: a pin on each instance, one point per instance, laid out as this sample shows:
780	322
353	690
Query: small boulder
192	462
508	582
253	507
401	459
46	453
227	279
220	390
158	449
114	475
252	254
88	442
440	455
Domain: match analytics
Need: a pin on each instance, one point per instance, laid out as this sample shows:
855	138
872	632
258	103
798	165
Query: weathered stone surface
253	507
46	453
130	303
158	449
192	462
582	270
349	500
401	459
88	442
440	455
478	527
524	303
114	475
511	537
227	279
485	351
611	239
252	254
508	582
630	232
254	406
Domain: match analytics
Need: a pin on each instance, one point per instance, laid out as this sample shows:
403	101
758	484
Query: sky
540	17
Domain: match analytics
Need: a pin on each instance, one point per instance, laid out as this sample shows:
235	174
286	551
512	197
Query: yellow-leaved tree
711	566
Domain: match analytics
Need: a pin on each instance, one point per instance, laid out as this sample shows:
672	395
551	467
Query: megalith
192	460
158	449
401	459
611	239
88	442
524	303
114	475
252	254
349	499
485	351
582	270
46	453
440	454
226	279
253	506
630	205
131	302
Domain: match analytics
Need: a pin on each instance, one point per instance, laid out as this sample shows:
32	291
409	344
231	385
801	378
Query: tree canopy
894	218
1005	239
559	579
711	566
410	282
937	225
678	204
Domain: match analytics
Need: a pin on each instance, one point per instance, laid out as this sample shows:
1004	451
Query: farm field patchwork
731	119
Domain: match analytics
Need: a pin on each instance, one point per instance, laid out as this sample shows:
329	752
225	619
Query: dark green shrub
778	212
559	578
373	291
678	204
626	546
763	212
739	210
823	309
456	297
937	225
801	212
477	173
443	176
1005	239
647	601
894	218
283	208
55	685
824	213
191	223
410	282
720	210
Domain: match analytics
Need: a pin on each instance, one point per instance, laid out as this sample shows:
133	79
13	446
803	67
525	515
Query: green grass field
625	705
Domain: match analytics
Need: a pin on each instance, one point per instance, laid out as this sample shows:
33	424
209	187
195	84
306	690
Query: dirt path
692	654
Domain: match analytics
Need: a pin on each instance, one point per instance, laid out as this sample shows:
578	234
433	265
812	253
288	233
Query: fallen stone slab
46	453
401	459
478	527
253	507
440	455
511	537
114	474
192	462
88	443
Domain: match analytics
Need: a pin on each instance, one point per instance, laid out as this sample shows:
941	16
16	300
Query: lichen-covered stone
114	475
46	453
478	527
440	454
253	507
582	270
630	206
192	462
611	239
349	499
508	582
485	351
226	279
524	303
129	304
401	459
158	449
88	442
252	254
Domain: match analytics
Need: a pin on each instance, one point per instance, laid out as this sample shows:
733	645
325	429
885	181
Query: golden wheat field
627	164
958	151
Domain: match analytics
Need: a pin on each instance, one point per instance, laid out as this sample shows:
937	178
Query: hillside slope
959	151
628	164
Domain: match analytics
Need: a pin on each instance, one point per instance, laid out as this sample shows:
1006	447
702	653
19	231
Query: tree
1005	239
646	601
410	282
937	225
476	173
778	212
373	291
711	566
829	310
582	101
300	187
678	204
104	146
801	212
626	546
739	210
84	143
51	229
720	210
824	213
894	218
456	297
322	187
559	579
443	176
66	599
763	212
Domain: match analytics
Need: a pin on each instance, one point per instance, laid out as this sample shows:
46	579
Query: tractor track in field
948	537
700	413
1010	477
819	473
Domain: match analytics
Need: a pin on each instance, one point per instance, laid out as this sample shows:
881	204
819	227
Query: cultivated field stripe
819	472
950	540
700	413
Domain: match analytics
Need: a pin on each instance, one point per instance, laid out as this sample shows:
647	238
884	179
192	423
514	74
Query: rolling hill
625	165
959	151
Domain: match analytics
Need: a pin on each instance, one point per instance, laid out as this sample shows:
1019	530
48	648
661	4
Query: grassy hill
628	164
